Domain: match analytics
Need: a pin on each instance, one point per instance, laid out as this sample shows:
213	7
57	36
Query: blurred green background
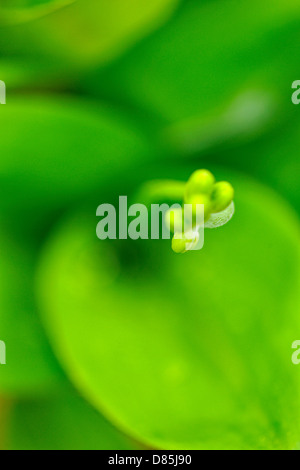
126	345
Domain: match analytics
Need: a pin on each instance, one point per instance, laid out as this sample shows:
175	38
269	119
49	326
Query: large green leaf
207	54
62	422
65	37
31	366
184	351
57	151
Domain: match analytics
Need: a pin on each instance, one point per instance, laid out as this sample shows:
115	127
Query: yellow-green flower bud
222	196
201	199
200	182
179	245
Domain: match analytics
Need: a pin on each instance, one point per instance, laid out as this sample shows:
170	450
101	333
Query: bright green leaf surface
64	422
184	351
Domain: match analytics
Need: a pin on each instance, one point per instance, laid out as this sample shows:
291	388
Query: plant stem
156	191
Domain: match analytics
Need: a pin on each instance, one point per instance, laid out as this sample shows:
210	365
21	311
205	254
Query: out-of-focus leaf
19	72
14	4
184	351
207	54
56	151
30	364
64	422
273	158
80	34
247	116
19	11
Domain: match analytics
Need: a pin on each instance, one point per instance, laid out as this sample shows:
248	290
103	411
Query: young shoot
216	199
204	203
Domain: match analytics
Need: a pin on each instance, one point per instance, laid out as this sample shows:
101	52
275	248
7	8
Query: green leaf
190	351
208	54
31	367
57	151
273	158
66	37
63	422
19	11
